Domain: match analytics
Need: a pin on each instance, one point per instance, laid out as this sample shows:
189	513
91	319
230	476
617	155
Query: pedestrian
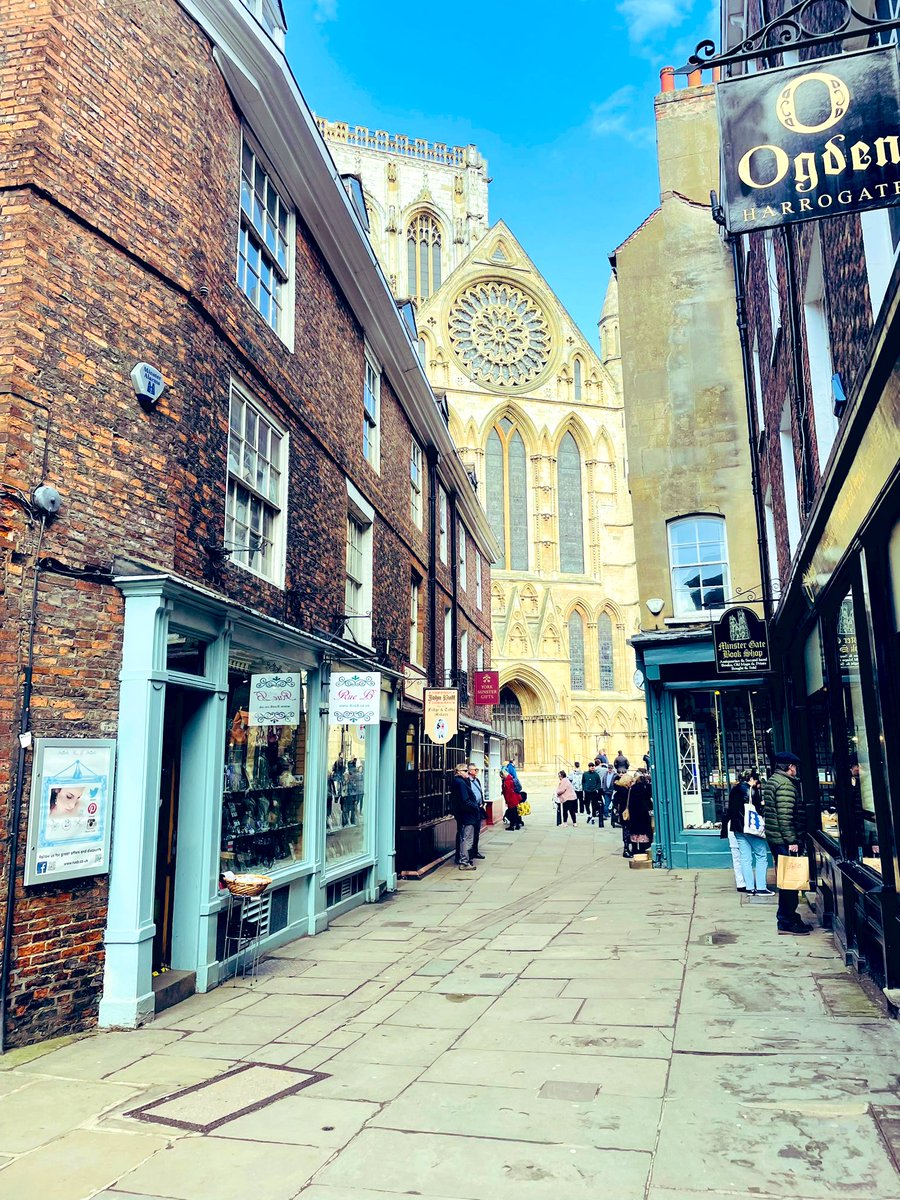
608	778
467	813
590	783
601	759
753	850
621	763
647	760
511	798
478	791
640	813
785	832
584	805
737	865
622	785
510	769
565	797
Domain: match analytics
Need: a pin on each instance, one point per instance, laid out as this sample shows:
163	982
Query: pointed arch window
576	378
571	518
423	256
506	493
576	652
607	656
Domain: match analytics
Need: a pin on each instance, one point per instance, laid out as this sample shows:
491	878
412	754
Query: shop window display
862	799
263	794
820	729
345	835
719	734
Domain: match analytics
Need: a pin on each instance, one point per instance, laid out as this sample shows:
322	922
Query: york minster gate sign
741	644
809	141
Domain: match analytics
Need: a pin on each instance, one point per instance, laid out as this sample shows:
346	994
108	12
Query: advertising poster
441	714
70	817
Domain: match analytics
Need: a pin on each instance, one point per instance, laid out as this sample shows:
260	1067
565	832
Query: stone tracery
499	334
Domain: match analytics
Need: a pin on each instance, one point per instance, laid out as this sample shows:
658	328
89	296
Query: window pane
494	491
411	284
859	785
436	266
571	525
518	505
607	665
576	652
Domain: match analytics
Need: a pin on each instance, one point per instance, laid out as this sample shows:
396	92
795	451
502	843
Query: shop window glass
719	734
820	731
862	800
185	653
262	801
347	783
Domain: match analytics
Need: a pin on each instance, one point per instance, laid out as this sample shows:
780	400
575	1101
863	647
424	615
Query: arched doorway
509	724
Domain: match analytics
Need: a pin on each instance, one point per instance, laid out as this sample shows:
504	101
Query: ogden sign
810	141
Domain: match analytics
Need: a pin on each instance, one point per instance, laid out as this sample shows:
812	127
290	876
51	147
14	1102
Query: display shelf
268	832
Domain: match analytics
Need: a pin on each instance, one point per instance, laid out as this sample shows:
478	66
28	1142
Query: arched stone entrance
509	724
532	716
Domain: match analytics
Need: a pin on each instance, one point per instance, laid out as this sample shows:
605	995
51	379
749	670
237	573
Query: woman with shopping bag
786	835
747	825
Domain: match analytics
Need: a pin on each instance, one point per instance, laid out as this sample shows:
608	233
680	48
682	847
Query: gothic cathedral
539	420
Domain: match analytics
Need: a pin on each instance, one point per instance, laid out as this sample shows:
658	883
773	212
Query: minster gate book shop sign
810	141
741	644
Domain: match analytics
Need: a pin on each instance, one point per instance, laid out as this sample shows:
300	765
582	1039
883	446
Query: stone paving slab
76	1165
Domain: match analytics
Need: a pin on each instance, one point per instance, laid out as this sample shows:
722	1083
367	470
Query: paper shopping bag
793	873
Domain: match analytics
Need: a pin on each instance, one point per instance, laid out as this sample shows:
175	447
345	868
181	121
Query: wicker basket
248	885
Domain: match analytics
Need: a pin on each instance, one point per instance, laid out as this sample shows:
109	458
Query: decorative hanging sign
70	816
275	698
487	687
441	714
741	643
355	698
809	141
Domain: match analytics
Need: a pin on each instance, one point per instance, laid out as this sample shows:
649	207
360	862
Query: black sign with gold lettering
809	141
741	643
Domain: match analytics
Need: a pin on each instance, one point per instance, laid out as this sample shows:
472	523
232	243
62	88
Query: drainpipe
15	818
432	457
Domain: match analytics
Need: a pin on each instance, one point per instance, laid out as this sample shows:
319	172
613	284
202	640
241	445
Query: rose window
499	335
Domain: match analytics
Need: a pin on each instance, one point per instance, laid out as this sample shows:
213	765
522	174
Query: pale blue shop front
201	789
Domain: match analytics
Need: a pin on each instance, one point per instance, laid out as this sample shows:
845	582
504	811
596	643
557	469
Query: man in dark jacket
785	831
621	763
467	811
590	783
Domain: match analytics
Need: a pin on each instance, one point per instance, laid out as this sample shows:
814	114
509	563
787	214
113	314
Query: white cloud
622	115
325	10
648	19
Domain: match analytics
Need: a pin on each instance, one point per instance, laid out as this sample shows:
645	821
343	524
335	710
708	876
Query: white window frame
479	589
463	559
464	651
268	15
415	483
358	586
680	612
371	426
818	350
881	255
442	525
448	648
243	465
479	657
789	478
770	265
758	396
416	648
261	239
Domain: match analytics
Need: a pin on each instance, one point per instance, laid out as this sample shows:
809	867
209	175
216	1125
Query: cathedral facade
539	421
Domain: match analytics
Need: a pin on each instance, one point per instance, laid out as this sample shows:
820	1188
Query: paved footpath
550	1027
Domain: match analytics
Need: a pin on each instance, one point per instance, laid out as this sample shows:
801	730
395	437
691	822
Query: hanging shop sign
355	698
275	698
441	714
487	687
809	141
70	815
741	643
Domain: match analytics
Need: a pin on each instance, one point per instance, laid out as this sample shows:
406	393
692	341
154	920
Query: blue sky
562	108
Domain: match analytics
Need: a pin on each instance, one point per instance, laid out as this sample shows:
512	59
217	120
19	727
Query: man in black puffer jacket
785	831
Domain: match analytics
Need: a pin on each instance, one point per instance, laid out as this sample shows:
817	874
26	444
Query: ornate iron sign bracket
791	31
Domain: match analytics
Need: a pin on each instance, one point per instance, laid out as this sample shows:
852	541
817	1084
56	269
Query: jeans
570	809
787	901
466	838
597	808
754	852
740	879
607	801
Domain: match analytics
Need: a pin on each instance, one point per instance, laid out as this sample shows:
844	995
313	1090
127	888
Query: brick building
291	508
823	338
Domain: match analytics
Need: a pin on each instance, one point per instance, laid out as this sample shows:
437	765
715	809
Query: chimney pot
667	79
695	78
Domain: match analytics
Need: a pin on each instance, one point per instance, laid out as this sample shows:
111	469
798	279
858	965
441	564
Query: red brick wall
121	187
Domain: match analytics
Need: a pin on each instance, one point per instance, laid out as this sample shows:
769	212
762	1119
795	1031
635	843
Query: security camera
46	500
655	605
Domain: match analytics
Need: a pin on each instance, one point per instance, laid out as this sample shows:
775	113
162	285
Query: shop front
704	731
228	761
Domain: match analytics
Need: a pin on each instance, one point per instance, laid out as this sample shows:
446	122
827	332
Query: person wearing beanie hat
785	831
